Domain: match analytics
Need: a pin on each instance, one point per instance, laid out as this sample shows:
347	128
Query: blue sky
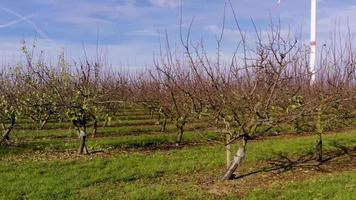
130	31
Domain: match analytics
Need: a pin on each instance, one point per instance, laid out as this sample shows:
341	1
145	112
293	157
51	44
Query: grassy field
130	159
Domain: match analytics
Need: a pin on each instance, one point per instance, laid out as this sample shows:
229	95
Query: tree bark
319	149
95	127
228	150
319	131
151	114
240	155
82	147
43	124
6	135
227	143
164	124
107	121
179	135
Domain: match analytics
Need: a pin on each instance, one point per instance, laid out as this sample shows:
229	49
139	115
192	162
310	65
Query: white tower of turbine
312	63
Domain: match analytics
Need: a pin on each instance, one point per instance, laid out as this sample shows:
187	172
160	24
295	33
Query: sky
130	32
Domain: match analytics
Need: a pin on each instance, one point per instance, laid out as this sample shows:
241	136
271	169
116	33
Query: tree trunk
95	127
180	135
151	114
319	131
319	149
228	150
227	143
163	125
107	121
6	135
297	126
43	124
240	155
159	116
82	147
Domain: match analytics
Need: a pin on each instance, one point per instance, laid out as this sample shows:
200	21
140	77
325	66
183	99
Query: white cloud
128	56
145	32
166	3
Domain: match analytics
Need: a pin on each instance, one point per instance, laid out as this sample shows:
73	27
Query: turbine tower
312	63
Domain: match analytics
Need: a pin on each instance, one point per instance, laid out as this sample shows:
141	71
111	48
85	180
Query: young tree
38	101
176	98
254	92
10	109
81	101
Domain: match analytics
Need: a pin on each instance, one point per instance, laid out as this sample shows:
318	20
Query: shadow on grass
285	163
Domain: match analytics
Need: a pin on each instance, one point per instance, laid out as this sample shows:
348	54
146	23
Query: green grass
120	120
140	162
266	149
107	143
339	187
142	175
103	131
43	180
56	125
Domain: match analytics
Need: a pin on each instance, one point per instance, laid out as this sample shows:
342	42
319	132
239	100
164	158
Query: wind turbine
312	61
